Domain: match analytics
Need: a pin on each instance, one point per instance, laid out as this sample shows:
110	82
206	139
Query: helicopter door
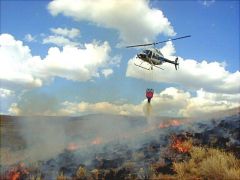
150	54
154	56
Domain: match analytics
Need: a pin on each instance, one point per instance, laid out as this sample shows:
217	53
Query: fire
72	147
172	122
97	141
175	122
181	145
18	172
14	175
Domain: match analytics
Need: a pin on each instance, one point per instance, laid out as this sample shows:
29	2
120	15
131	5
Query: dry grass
208	163
138	156
62	177
81	173
129	164
163	177
95	173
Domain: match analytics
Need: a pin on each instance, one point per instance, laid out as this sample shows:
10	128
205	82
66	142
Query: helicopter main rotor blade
140	45
149	44
173	39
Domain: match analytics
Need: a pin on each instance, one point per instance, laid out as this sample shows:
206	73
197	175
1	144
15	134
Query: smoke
45	137
35	104
71	141
148	112
33	139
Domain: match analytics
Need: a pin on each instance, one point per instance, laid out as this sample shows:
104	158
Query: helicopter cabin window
156	56
148	53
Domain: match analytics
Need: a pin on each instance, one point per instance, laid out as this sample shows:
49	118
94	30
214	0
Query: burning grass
167	151
203	163
182	146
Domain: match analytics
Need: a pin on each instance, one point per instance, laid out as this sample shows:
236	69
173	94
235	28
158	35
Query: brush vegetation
204	163
208	163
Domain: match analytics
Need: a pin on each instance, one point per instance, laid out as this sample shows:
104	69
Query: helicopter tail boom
172	62
176	63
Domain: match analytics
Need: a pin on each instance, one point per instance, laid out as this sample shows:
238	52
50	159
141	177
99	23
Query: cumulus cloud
59	41
168	50
62	37
20	68
173	101
44	104
100	107
6	93
107	72
135	20
14	67
70	33
210	76
77	64
205	103
14	109
207	3
29	38
169	102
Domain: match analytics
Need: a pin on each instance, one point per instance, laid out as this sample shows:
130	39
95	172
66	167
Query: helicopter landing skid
150	68
154	66
158	67
141	66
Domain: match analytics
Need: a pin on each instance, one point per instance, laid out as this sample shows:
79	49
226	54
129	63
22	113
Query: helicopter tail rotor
176	63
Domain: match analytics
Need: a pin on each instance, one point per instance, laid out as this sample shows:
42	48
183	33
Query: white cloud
100	107
77	64
135	20
70	33
6	93
14	67
205	103
14	109
29	38
62	37
211	76
20	68
107	72
169	102
168	50
207	3
59	41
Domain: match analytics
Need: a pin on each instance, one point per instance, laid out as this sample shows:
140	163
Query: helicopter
153	56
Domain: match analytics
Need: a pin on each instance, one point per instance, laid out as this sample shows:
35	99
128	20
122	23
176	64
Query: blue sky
214	26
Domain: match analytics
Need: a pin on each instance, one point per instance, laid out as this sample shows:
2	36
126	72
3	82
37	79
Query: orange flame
97	141
172	122
72	147
181	146
16	172
15	176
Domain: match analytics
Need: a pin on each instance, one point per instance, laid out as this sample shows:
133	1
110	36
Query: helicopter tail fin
176	63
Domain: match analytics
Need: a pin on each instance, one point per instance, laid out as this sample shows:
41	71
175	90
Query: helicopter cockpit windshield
148	53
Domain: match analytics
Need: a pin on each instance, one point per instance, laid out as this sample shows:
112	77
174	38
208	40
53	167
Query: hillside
111	145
